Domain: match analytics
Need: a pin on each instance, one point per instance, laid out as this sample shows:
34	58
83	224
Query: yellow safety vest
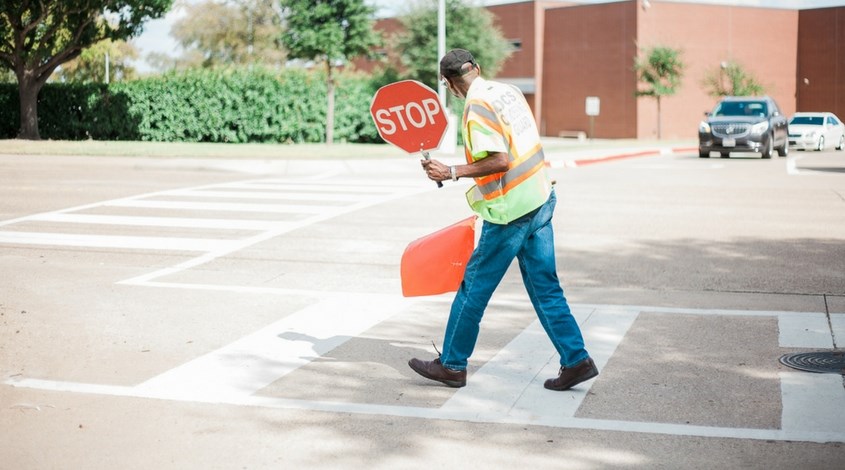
503	197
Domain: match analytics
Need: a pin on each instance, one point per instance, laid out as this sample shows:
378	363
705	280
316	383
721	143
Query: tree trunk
330	110
28	90
659	133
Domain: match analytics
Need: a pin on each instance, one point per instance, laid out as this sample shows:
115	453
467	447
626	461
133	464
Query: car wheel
767	152
841	143
820	148
784	151
702	154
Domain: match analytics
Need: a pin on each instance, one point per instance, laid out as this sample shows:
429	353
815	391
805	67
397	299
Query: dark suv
744	124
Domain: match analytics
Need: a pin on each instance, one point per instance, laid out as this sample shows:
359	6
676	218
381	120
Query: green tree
37	36
234	32
331	32
659	72
467	27
731	79
90	66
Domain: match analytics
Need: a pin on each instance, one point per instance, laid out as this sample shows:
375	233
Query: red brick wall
589	51
516	21
821	60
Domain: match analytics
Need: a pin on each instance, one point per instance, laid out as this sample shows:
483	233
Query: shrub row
201	106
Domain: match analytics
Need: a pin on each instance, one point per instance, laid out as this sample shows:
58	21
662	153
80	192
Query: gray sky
156	36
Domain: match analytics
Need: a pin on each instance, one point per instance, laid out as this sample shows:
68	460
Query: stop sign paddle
408	114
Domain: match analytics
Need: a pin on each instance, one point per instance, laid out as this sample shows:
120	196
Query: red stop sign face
408	114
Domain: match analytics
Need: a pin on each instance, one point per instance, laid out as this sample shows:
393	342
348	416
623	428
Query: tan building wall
821	61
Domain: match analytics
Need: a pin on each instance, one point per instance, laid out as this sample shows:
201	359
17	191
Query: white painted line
251	363
115	241
224	206
286	195
187	222
812	402
269	184
493	389
804	330
837	323
498	385
603	330
325	215
792	165
434	413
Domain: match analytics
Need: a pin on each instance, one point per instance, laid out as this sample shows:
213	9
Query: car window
833	120
741	108
830	121
811	120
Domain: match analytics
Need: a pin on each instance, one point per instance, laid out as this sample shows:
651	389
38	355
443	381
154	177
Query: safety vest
497	118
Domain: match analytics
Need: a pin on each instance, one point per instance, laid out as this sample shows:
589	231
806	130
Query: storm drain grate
830	362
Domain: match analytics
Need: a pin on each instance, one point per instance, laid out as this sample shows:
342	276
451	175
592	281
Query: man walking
515	198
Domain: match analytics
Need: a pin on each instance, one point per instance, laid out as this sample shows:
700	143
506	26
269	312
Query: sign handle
428	157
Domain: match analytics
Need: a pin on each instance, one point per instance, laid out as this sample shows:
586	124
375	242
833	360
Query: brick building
566	53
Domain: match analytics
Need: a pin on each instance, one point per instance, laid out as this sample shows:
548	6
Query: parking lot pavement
267	326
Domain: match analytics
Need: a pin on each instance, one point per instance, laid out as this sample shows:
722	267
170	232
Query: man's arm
496	162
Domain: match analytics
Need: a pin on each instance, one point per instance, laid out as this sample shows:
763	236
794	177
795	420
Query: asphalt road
189	313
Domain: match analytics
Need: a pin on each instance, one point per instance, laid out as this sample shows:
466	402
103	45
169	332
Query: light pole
441	47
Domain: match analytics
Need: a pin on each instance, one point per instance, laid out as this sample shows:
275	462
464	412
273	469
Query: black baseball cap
453	61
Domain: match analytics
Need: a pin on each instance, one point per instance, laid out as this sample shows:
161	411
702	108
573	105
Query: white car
816	131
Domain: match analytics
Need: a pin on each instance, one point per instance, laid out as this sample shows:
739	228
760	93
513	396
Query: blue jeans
530	239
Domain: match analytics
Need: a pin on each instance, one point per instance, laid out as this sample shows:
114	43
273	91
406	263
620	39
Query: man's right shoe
434	370
572	376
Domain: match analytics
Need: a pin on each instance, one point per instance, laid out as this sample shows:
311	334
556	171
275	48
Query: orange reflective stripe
519	179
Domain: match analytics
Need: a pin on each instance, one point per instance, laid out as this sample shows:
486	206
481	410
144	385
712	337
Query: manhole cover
831	362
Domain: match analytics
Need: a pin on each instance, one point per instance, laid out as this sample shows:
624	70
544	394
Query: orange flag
435	263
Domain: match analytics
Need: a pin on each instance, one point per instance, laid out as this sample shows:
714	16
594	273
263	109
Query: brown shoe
434	370
572	376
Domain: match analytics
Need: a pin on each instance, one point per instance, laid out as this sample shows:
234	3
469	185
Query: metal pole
107	67
441	47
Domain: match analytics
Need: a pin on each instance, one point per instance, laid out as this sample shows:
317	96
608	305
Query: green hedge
201	106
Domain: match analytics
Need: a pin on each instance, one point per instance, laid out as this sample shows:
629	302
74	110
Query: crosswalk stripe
115	241
512	382
314	188
253	362
225	206
286	195
187	222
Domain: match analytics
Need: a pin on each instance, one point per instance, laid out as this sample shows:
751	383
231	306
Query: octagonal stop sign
408	114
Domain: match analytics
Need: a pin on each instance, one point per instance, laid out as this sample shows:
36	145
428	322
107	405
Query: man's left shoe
434	370
572	376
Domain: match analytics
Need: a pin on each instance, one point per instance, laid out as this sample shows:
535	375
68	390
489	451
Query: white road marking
837	324
804	330
512	382
603	330
251	363
222	206
604	327
116	241
270	184
186	222
812	402
283	195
